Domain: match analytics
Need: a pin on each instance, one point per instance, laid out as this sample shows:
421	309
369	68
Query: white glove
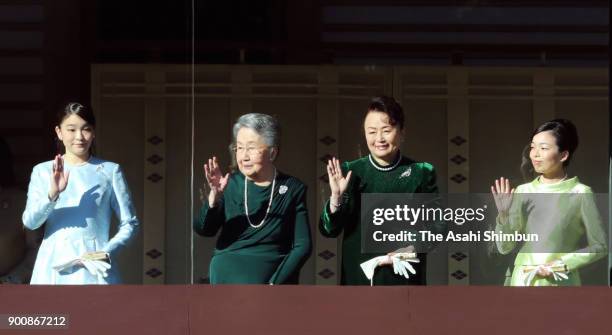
66	264
94	262
401	264
96	268
369	266
557	269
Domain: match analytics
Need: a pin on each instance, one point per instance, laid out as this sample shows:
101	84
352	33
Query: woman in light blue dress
73	196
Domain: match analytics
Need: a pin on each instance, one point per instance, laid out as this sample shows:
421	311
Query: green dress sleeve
595	234
429	179
210	219
302	245
429	184
331	224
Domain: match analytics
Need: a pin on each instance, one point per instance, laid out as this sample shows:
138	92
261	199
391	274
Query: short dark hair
389	106
566	138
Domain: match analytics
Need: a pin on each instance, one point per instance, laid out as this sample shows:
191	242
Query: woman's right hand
337	182
502	194
59	178
216	181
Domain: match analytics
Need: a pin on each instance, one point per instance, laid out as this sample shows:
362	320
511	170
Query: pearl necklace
388	168
246	205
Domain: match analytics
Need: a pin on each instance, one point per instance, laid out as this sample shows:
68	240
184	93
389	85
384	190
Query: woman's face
544	154
76	134
382	137
252	154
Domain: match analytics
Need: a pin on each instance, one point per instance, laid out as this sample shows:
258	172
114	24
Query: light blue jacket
79	220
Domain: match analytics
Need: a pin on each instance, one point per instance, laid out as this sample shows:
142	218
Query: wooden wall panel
490	112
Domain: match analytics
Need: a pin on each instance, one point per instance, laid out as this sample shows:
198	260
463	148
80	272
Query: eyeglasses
250	150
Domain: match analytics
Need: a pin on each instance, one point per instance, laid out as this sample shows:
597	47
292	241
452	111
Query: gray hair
264	125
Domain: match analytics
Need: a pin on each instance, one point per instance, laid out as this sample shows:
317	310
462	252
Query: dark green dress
272	253
408	177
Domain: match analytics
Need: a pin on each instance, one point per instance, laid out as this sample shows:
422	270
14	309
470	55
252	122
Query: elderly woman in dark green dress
262	214
384	170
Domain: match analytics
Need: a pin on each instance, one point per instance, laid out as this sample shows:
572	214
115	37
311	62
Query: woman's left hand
389	261
96	262
544	271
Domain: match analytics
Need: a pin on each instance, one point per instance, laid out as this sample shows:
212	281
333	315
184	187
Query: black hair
80	110
389	106
566	138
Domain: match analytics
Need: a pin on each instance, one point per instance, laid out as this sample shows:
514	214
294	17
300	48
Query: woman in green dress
384	170
262	213
560	210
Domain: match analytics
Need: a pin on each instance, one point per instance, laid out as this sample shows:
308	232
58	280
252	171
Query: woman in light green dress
560	210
